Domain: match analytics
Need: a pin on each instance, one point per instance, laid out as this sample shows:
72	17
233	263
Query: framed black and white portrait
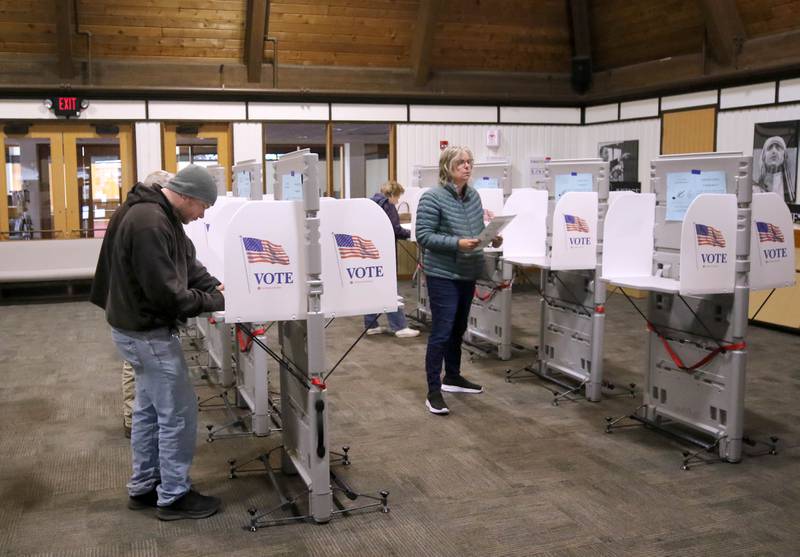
623	164
775	159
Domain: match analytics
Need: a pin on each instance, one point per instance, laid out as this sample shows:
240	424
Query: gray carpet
506	473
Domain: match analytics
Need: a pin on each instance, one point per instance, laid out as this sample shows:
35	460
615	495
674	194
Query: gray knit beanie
194	181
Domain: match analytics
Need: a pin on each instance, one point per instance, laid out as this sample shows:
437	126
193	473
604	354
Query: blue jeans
397	320
450	302
164	430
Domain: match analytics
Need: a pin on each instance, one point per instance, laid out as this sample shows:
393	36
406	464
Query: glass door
63	180
99	169
31	207
203	144
361	158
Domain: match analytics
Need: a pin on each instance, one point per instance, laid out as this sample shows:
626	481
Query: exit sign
66	107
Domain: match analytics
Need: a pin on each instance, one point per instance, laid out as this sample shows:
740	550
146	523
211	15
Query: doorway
208	145
63	180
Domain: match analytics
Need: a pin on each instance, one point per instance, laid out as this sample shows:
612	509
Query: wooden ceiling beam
724	29
255	32
581	45
64	10
760	58
422	41
579	28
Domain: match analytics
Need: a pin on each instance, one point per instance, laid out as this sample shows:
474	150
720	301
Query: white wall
735	128
419	144
648	132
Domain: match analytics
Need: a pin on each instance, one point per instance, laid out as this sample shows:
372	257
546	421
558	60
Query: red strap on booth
244	341
492	292
710	356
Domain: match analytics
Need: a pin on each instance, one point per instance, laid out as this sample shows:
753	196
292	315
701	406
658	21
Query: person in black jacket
387	198
148	281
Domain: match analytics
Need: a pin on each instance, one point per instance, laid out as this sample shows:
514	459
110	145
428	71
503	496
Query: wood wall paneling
783	307
688	131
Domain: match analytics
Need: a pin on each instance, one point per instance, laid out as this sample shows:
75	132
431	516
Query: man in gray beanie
149	281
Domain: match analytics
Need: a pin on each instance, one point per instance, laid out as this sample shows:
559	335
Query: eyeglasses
461	162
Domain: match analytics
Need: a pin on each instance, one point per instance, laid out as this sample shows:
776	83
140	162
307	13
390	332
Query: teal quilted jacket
442	219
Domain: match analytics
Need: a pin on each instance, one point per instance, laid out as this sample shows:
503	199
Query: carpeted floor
507	473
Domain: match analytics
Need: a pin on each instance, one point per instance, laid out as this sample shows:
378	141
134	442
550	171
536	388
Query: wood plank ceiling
478	50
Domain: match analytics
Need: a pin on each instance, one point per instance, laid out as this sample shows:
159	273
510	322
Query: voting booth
558	231
248	182
207	235
697	244
298	260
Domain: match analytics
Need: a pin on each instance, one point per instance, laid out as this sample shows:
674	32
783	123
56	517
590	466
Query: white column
248	142
148	148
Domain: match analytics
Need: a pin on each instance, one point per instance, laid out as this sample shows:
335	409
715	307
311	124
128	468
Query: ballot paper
495	226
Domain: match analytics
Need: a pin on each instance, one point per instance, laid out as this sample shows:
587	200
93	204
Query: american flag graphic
356	246
576	224
769	232
709	236
264	251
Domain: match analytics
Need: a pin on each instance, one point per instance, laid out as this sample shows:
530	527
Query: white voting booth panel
265	263
492	201
628	236
525	238
216	222
707	245
358	258
207	234
772	250
574	244
264	260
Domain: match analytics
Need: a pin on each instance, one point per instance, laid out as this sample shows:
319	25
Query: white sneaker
377	330
406	333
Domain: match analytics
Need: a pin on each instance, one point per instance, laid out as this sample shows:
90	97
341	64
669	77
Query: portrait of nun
775	159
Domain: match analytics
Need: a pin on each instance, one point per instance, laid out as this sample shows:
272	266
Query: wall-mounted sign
443	143
493	137
66	107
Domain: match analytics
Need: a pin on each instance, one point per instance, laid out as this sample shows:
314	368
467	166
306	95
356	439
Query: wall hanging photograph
623	167
775	159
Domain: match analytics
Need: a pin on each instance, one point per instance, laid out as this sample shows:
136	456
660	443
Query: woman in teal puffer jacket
449	220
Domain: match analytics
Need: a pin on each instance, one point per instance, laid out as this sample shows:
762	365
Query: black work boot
190	505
